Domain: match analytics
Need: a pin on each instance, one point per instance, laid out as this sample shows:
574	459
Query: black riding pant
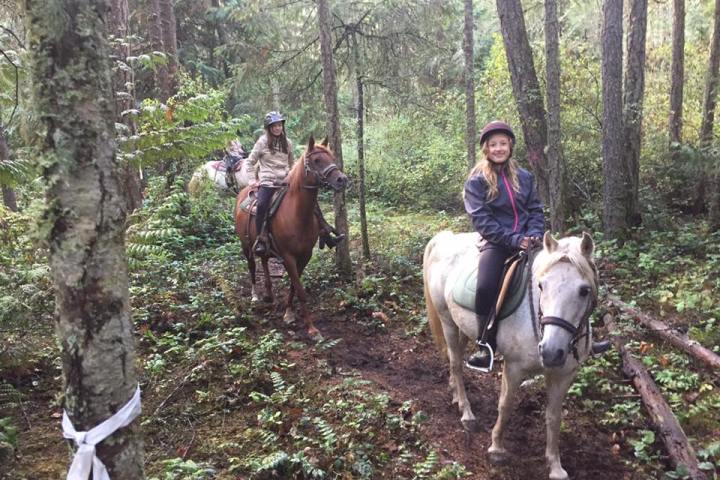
490	268
264	196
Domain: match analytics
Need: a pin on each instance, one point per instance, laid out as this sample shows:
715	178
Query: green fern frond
424	469
329	439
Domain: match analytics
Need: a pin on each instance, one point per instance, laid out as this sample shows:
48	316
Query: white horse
563	293
215	172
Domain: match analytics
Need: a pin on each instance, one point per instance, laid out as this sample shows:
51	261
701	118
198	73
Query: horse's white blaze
564	267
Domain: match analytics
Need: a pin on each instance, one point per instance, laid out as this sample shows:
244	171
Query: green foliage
179	469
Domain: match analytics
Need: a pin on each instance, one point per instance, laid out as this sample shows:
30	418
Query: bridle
322	175
577	333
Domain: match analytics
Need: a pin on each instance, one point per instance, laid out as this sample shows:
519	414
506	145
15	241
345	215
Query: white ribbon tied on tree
85	459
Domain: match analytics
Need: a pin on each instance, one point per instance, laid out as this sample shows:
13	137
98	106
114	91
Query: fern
424	469
329	439
274	461
10	398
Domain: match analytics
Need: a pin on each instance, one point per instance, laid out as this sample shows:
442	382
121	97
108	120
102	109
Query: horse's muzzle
552	357
339	182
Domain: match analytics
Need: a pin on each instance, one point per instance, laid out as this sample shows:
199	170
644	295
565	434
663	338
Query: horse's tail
432	313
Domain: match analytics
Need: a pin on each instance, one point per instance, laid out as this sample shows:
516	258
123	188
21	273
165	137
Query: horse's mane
295	177
568	250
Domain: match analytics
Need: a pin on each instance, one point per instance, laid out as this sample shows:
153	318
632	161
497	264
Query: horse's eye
584	291
540	286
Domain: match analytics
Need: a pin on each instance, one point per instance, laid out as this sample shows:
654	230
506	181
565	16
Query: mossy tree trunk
469	74
85	220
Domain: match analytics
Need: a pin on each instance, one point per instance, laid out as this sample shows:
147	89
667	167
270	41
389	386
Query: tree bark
123	88
342	250
658	328
360	114
708	124
526	89
169	37
614	170
86	220
468	50
633	107
555	161
676	443
677	73
9	199
155	31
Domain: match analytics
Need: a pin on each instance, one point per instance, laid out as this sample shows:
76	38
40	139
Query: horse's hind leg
556	390
456	346
511	379
289	316
252	266
268	297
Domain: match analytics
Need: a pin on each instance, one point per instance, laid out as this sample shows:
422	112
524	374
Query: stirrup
487	348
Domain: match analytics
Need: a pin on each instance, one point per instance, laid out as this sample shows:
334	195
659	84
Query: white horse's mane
568	250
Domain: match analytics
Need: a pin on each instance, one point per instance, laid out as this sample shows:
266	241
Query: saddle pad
512	292
249	204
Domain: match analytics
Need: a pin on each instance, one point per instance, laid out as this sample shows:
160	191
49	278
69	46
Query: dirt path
410	368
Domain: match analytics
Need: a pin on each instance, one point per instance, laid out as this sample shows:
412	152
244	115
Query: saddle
513	285
249	205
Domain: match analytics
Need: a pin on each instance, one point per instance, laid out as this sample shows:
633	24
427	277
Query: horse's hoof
472	426
498	458
560	474
314	332
254	299
289	318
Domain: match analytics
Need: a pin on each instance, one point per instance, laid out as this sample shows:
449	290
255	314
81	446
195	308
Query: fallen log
676	443
656	327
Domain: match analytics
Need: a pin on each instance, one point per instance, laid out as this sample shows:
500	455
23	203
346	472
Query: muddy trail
410	368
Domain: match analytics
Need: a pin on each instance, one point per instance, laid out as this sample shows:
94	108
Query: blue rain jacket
511	216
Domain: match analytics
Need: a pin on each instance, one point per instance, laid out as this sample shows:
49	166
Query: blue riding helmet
273	117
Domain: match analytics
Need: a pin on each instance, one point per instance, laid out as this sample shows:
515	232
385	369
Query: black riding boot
600	347
327	231
482	360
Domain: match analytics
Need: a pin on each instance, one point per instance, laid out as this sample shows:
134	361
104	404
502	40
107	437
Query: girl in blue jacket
502	202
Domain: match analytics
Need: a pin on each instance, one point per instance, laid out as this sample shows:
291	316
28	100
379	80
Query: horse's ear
311	143
549	242
324	142
587	246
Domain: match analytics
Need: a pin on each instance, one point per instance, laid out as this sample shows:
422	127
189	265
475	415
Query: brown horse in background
294	226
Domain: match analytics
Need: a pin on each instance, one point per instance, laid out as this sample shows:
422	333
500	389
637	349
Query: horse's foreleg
289	316
506	403
268	283
556	390
294	274
455	347
252	266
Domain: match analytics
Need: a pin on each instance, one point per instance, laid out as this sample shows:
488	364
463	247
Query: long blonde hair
489	171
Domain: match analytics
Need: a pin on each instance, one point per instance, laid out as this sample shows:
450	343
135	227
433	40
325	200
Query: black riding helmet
496	126
273	117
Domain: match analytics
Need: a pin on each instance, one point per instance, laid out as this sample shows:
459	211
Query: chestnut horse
294	227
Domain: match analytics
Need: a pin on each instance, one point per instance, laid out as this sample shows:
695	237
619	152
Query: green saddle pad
464	290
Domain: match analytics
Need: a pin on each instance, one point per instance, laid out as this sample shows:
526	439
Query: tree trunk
555	161
708	124
468	50
658	328
155	31
633	107
123	88
676	443
359	112
614	170
8	193
86	221
342	251
526	89
677	74
169	37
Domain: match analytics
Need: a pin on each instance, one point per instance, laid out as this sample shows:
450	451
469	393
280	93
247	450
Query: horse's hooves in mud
498	458
559	475
471	426
289	318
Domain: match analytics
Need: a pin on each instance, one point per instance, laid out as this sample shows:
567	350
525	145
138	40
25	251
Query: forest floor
405	367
